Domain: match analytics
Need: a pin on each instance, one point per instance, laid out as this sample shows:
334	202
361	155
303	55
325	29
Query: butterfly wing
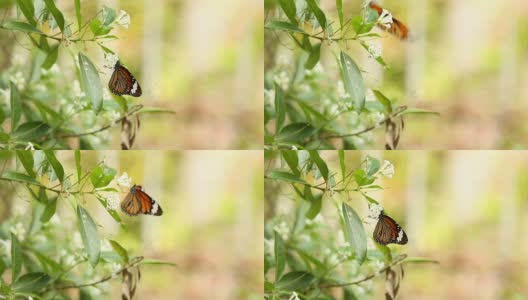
387	231
122	82
397	27
139	202
148	205
130	205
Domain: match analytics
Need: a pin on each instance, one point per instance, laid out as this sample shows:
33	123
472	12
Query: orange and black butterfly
139	202
387	231
123	82
397	27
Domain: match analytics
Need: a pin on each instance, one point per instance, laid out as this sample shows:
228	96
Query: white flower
77	241
369	95
55	220
375	210
373	48
294	296
29	146
110	60
18	230
123	19
385	19
77	92
387	169
283	230
376	117
294	148
112	201
5	248
283	80
341	92
5	95
19	80
105	245
124	180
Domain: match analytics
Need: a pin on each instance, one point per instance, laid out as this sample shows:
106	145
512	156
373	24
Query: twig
129	113
398	112
133	263
396	262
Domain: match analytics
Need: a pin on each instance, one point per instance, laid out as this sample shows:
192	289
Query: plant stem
396	262
129	113
398	112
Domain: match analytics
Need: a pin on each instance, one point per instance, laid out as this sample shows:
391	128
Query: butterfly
397	27
138	202
387	231
123	82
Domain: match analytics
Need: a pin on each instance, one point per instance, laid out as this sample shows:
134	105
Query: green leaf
339	6
288	6
354	232
51	59
280	107
150	261
57	15
319	15
21	26
295	281
16	106
385	251
26	158
290	156
418	111
51	207
31	282
280	256
103	202
78	164
91	82
373	165
89	235
31	131
119	250
98	28
353	81
315	54
16	257
55	164
109	15
295	132
156	110
280	25
342	163
101	176
19	177
27	8
420	260
321	165
383	100
78	14
285	176
315	207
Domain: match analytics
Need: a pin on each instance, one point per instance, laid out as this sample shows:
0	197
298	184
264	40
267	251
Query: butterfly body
122	82
138	202
387	231
397	27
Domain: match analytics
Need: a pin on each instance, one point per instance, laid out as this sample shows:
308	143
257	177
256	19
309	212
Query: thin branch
396	262
398	112
133	263
129	113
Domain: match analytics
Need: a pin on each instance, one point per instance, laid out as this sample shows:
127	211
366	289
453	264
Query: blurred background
465	209
464	59
202	59
211	225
